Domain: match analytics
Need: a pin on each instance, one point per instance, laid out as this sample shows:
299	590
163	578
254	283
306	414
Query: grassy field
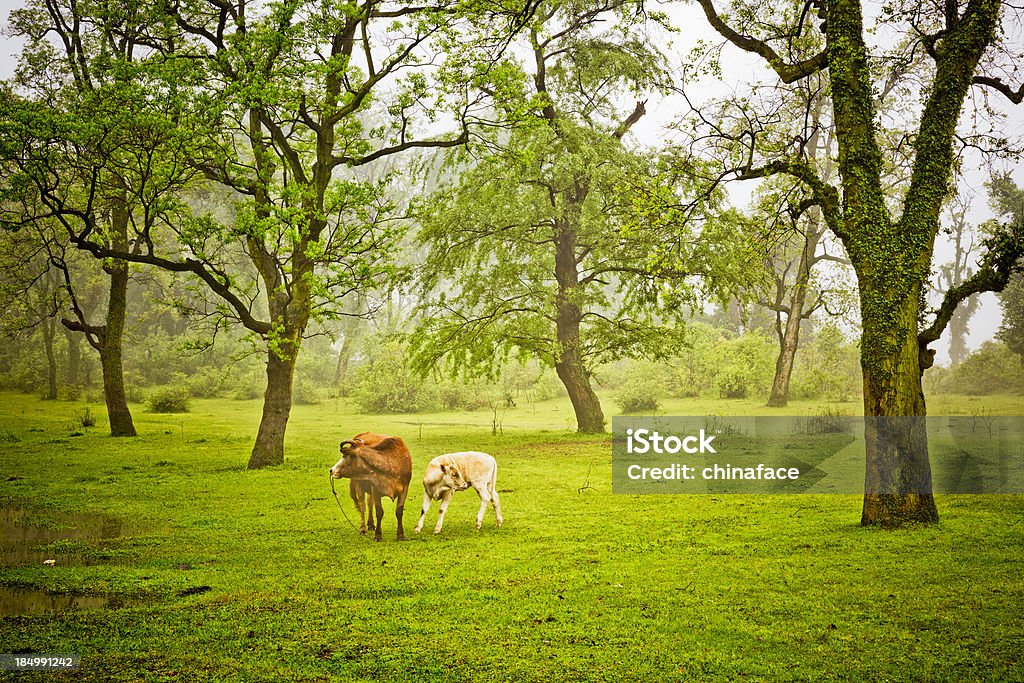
183	566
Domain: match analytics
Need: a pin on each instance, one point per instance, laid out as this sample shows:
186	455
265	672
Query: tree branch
624	127
1015	96
1002	259
789	73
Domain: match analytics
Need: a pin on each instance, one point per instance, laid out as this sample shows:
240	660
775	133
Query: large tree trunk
277	407
898	480
585	404
570	365
120	416
49	332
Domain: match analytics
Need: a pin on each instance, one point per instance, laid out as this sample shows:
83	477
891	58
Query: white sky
739	68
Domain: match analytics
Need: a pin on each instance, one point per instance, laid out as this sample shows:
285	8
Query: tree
270	102
1008	201
891	254
954	274
549	245
794	294
30	297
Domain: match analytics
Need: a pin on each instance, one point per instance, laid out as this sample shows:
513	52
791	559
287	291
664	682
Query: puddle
33	601
22	538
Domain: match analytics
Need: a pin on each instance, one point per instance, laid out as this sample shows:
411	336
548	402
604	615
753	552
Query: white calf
453	472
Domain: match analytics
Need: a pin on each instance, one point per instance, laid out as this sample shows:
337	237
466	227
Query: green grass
577	585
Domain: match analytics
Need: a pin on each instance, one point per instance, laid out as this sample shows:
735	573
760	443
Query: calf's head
452	478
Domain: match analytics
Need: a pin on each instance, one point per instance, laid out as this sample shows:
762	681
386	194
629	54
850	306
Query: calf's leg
485	500
444	506
496	502
423	514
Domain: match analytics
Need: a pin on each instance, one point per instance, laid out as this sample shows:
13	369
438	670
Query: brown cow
380	466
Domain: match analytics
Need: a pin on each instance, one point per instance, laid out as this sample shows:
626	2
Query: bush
305	394
206	383
384	383
992	369
86	418
636	398
830	420
827	367
169	400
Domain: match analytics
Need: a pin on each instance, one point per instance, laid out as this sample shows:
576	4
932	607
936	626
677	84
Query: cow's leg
399	509
444	506
423	514
357	498
485	500
380	515
371	525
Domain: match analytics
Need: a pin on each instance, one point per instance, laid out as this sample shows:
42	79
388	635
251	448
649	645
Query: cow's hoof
417	530
437	531
478	527
362	532
400	538
377	539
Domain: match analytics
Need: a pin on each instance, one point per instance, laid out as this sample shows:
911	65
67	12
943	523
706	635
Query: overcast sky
739	68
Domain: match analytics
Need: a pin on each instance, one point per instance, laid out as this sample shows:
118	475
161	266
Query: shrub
305	394
992	369
169	400
384	383
86	418
635	398
830	420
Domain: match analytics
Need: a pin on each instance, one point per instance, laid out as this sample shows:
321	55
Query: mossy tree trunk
49	332
891	257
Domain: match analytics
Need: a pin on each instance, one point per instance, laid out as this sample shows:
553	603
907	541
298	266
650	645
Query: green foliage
992	369
304	393
1011	329
385	383
172	399
1008	201
827	367
746	366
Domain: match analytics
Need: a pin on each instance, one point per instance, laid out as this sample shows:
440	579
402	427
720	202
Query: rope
342	508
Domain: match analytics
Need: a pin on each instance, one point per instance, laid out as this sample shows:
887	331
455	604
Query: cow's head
452	477
353	463
357	458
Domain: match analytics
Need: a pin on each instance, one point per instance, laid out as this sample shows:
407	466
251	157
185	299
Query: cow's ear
386	445
444	469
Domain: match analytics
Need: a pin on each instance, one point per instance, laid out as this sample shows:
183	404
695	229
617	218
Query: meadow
175	563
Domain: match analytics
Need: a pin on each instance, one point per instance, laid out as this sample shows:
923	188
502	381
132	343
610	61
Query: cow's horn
346	441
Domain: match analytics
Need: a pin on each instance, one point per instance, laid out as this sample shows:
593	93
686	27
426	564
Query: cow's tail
494	482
